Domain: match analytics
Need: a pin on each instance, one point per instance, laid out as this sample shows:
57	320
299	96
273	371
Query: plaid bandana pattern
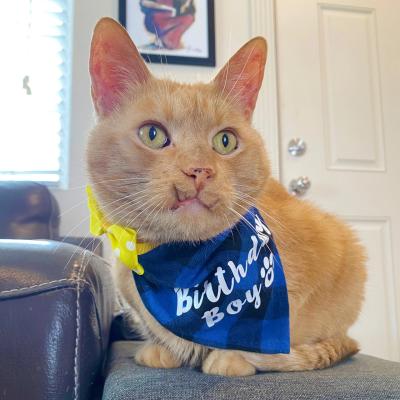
228	292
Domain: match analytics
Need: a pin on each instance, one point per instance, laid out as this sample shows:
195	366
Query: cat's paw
228	363
156	356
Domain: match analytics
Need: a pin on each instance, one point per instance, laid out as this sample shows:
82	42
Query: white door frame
266	118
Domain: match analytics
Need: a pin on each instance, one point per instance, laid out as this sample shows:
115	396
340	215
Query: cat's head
174	161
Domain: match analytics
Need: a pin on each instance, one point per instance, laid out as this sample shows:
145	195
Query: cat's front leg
227	363
156	356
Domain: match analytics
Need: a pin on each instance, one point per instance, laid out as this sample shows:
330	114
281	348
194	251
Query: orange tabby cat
186	191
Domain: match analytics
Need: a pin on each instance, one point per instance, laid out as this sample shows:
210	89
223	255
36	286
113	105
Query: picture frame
171	31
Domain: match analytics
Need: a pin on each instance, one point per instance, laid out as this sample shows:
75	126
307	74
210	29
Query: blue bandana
228	292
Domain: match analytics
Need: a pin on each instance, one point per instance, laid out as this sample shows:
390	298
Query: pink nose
200	176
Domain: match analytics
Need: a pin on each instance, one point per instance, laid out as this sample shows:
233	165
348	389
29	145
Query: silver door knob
297	147
299	186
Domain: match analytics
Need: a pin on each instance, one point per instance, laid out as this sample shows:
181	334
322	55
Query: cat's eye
153	136
224	142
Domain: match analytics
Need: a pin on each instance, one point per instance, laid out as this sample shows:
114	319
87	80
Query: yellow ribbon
123	240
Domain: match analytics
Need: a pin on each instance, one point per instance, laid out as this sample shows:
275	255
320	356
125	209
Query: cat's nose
200	176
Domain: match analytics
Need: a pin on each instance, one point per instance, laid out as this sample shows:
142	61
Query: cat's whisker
159	41
116	215
248	200
81	222
80	244
116	222
109	180
156	214
72	208
247	196
128	185
108	216
254	202
241	185
135	201
75	252
139	191
151	214
241	217
138	206
229	224
151	204
244	219
134	205
133	197
288	232
85	201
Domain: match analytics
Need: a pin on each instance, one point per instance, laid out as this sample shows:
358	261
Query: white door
338	67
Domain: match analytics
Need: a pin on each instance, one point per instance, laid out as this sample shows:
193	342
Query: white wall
233	29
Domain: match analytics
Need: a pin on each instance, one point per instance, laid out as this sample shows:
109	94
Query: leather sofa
57	322
56	307
56	301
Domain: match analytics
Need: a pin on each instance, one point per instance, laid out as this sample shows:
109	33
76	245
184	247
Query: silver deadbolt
299	186
297	147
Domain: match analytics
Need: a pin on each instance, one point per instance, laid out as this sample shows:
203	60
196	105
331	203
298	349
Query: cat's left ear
241	78
115	65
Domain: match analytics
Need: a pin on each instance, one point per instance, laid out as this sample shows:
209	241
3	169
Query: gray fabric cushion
361	377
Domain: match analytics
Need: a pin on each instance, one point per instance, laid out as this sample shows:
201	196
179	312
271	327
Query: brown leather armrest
56	306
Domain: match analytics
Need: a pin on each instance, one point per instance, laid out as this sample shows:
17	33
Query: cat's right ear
115	65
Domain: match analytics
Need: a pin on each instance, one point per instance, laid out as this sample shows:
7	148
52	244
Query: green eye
153	136
224	142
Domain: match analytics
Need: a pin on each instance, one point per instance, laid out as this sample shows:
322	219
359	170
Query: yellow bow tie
123	240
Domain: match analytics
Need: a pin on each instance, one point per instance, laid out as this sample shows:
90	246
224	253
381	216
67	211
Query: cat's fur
136	186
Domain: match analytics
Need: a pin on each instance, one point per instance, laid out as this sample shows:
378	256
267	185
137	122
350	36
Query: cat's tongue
190	205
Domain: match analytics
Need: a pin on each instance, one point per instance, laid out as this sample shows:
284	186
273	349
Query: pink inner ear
242	77
115	64
106	89
249	91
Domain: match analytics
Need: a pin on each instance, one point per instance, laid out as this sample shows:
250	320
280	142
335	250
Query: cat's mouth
193	204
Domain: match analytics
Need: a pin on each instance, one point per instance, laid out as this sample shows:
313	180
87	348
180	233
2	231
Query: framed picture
171	31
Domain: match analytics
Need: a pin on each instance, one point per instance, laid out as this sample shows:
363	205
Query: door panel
377	328
352	111
338	66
